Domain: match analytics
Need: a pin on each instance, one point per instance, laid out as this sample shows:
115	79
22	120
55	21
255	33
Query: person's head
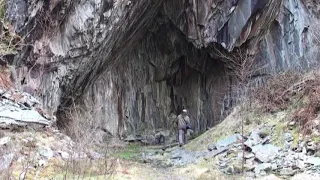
184	112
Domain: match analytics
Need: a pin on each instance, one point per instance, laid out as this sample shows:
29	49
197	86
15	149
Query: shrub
283	91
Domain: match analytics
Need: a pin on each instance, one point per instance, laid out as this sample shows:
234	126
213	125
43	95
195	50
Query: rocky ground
271	148
32	148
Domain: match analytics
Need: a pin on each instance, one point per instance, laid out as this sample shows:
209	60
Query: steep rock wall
164	74
132	65
73	42
281	43
289	42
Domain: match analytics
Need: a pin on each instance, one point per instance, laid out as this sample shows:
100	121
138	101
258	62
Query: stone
249	155
249	174
160	138
311	148
46	152
89	46
130	138
304	151
250	164
181	157
300	164
64	155
254	139
4	140
292	123
288	137
212	147
78	155
223	164
233	170
42	162
28	99
305	176
262	173
274	167
228	141
287	172
94	155
265	153
263	167
270	177
151	139
5	161
215	152
22	116
313	160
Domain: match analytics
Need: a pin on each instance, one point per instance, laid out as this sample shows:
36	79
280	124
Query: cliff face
132	65
163	74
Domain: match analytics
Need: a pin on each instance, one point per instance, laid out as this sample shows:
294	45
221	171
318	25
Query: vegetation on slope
287	98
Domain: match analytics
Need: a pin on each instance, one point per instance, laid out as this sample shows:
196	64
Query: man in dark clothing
183	122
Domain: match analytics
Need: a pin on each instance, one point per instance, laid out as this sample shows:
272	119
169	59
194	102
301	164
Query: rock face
132	65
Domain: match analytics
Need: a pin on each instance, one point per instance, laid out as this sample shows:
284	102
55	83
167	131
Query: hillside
282	141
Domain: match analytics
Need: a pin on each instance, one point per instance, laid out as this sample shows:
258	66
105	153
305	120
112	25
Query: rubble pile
29	142
256	153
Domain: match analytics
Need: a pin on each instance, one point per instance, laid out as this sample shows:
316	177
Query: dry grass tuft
275	96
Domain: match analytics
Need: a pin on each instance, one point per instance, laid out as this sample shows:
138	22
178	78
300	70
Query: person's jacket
182	121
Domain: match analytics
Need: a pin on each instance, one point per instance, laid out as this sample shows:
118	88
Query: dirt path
139	171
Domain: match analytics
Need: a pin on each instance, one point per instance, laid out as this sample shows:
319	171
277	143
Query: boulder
270	177
228	141
305	176
64	155
4	140
19	116
233	169
265	153
130	138
212	147
215	152
287	172
256	137
5	161
288	137
315	161
262	167
46	152
311	148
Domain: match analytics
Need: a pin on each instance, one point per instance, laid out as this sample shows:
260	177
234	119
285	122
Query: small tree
241	65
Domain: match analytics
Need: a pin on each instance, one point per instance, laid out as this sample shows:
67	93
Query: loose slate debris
20	109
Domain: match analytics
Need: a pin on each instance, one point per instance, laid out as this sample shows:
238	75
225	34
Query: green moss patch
128	152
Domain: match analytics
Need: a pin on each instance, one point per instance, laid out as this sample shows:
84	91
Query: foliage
292	89
10	41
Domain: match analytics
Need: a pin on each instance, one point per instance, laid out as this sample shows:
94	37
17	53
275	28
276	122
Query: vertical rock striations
133	65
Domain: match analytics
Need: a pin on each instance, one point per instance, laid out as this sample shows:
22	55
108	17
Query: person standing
183	124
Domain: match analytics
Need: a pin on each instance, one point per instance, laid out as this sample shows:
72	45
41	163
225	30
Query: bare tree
241	65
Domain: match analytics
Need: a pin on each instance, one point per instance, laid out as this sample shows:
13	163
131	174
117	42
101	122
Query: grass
206	170
74	169
232	125
278	138
2	9
129	152
315	139
222	130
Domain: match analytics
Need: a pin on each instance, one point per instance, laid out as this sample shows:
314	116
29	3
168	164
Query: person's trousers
182	136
